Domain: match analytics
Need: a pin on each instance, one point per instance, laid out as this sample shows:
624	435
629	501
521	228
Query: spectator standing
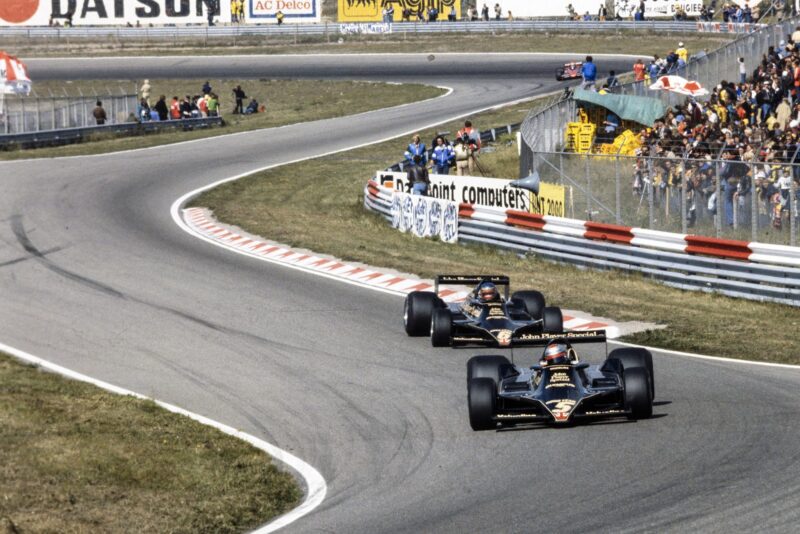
742	71
161	108
143	110
406	15
99	113
612	80
186	107
146	91
462	156
498	12
239	95
213	105
451	16
202	106
206	88
175	109
602	13
589	74
443	156
416	148
279	17
433	14
485	12
417	175
638	71
682	52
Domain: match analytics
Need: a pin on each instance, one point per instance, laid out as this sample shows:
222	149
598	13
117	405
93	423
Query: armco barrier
735	268
121	33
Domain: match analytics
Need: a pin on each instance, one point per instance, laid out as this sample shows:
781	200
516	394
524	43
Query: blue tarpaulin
642	109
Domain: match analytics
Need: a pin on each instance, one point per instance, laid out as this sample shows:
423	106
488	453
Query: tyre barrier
739	269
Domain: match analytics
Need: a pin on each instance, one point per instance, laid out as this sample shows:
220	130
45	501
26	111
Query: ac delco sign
110	12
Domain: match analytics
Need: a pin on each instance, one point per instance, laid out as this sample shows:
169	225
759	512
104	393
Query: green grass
78	459
334	221
319	99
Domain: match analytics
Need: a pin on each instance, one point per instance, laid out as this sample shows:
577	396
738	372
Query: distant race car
561	389
485	317
570	71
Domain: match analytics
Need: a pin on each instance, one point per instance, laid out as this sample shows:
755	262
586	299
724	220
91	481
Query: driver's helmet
487	292
558	352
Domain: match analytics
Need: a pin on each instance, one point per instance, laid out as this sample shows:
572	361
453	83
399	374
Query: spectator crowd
203	105
746	135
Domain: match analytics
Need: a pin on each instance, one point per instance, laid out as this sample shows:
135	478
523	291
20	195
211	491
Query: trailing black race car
570	71
561	389
484	318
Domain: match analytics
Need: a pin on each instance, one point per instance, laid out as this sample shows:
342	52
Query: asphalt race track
95	276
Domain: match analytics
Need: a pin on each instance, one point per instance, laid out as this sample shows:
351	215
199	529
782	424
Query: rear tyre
637	393
532	301
637	357
482	400
494	367
417	312
552	320
441	327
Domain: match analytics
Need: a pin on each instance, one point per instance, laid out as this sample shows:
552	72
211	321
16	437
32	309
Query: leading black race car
484	318
561	389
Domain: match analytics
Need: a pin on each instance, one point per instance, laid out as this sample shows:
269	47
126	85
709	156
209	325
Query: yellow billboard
373	10
550	200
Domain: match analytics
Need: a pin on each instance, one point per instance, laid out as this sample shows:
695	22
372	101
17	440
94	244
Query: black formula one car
561	389
485	318
570	71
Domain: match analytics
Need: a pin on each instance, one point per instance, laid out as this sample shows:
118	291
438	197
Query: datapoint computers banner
143	13
373	10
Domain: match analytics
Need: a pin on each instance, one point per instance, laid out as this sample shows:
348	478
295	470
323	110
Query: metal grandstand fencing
24	114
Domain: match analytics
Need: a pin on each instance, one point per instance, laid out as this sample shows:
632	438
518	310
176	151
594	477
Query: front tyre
637	393
494	367
552	320
441	327
482	402
417	312
636	357
532	301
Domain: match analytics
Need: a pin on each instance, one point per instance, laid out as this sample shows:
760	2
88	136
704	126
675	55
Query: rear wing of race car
575	336
472	279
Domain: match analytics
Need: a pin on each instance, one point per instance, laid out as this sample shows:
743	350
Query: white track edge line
316	486
713	358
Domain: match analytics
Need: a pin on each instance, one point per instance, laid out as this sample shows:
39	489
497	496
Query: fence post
792	211
753	205
650	194
719	204
588	191
617	191
684	199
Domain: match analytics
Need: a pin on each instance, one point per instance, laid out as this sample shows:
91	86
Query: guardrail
76	135
734	268
331	28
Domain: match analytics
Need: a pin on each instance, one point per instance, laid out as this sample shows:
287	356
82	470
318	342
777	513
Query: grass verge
622	42
289	205
287	102
79	459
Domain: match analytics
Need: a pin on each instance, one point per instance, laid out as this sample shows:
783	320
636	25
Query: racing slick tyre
482	399
441	327
636	357
494	367
531	301
637	392
552	320
417	312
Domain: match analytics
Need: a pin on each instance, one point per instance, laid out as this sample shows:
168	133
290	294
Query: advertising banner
372	10
489	192
150	12
425	216
293	10
658	8
373	28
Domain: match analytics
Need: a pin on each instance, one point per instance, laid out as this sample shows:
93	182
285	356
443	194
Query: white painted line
316	486
713	358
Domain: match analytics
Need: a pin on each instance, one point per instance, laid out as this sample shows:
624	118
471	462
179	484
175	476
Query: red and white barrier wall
624	235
